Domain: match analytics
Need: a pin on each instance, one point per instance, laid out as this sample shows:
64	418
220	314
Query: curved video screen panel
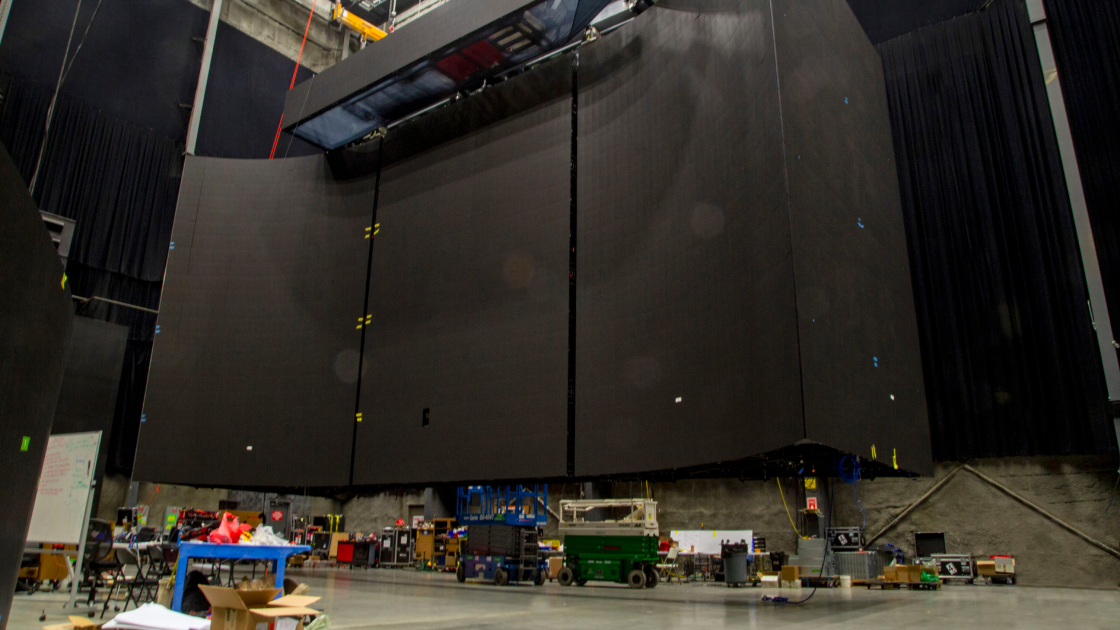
467	349
686	344
255	363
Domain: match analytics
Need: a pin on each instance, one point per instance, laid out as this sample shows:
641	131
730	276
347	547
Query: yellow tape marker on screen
362	321
873	455
894	459
359	416
375	229
63	281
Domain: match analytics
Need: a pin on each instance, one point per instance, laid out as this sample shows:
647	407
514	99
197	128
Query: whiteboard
707	540
64	486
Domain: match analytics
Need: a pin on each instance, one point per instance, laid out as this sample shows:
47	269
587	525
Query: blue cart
501	569
501	542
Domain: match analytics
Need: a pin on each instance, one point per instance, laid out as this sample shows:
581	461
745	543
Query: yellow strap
783	495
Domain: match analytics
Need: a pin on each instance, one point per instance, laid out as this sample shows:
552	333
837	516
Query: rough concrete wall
372	513
279	24
976	517
302	505
114	494
725	504
161	496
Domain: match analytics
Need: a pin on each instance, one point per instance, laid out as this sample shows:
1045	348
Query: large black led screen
686	344
466	351
860	358
255	364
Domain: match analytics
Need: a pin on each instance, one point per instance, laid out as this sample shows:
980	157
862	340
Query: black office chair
98	559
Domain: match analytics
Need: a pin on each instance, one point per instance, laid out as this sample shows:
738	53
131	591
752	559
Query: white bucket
845	581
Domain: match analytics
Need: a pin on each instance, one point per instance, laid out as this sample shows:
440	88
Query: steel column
203	76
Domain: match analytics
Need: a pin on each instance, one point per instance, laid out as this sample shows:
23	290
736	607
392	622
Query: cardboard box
232	609
336	537
791	573
294	601
985	567
903	573
554	566
229	608
1004	565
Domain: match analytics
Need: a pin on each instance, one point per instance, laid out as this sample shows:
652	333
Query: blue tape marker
875	361
172	244
845	100
859	221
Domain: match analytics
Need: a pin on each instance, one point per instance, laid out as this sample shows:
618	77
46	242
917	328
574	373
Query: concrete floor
384	598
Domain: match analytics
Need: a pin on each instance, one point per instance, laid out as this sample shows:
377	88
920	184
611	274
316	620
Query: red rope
276	140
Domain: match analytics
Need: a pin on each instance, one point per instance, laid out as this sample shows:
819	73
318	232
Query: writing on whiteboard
65	482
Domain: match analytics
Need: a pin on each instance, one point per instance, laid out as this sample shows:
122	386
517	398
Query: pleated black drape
1010	359
119	182
1085	35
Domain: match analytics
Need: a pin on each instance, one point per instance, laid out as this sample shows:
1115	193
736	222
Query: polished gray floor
406	598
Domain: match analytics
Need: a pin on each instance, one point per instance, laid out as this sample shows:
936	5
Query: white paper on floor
156	617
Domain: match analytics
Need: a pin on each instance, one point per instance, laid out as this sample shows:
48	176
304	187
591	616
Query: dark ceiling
887	19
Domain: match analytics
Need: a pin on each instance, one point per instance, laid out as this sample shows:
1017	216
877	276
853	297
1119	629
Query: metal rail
87	300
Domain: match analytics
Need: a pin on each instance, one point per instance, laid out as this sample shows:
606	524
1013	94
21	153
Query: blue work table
211	551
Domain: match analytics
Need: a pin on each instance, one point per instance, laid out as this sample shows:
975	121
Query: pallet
820	582
914	586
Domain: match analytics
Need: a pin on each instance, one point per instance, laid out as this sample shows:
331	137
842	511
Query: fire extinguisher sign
277	515
811	503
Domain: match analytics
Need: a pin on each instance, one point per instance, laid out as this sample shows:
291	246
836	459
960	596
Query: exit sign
811	503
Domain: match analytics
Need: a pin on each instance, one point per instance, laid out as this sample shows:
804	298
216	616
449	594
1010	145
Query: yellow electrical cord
783	495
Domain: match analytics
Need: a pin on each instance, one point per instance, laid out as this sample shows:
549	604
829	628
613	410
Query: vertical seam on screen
789	223
159	303
572	207
365	311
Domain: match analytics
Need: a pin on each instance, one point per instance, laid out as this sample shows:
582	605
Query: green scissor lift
622	549
625	559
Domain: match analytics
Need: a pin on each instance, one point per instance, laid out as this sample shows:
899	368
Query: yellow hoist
355	23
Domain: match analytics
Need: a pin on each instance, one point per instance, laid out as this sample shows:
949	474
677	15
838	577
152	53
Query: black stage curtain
1085	35
1010	359
119	182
